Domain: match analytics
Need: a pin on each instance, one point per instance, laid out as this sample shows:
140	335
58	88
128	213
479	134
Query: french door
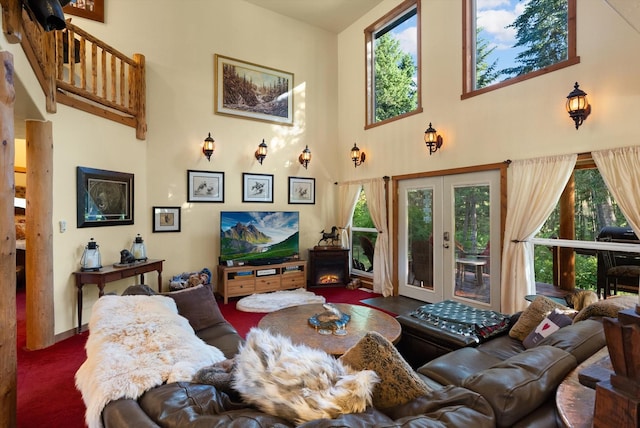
446	228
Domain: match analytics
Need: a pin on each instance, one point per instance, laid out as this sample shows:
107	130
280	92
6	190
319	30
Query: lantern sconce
357	157
432	139
577	105
261	153
91	260
305	157
208	147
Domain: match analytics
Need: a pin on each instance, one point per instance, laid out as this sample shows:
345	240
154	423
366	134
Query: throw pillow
297	382
399	384
607	307
532	316
198	305
550	324
140	289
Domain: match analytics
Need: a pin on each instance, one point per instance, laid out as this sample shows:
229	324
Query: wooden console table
112	273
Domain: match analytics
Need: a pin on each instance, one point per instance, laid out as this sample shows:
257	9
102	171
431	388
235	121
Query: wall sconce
261	153
208	147
577	105
305	157
357	157
432	139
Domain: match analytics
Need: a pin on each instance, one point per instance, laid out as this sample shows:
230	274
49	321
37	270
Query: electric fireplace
328	266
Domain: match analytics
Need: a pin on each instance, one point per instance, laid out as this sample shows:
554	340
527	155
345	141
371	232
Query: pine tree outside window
393	65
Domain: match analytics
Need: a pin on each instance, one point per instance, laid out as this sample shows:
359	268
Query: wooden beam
8	355
39	234
12	20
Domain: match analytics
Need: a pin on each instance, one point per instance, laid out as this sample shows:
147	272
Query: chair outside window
614	272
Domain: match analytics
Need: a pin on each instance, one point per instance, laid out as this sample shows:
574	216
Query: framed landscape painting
252	91
90	9
104	198
302	190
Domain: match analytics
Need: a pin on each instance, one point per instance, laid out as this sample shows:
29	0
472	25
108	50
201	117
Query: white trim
588	245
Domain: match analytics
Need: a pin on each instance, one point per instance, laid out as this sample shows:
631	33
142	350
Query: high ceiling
331	15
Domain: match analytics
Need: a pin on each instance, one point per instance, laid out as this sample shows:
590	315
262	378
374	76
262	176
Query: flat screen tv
259	237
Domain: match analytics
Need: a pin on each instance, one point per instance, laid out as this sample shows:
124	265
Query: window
393	65
508	41
363	237
593	209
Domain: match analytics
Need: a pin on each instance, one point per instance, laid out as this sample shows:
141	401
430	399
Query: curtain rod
385	178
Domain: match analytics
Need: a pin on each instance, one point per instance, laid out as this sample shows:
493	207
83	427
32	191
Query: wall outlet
63	226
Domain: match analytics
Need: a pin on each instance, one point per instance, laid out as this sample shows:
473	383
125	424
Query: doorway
446	225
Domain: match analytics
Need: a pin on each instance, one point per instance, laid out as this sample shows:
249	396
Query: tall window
393	64
509	41
594	209
363	236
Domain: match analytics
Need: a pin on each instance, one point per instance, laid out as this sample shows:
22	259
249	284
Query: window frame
468	52
369	32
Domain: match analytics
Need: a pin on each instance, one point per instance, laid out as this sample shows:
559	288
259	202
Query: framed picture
257	187
252	91
302	190
166	219
104	198
205	186
90	9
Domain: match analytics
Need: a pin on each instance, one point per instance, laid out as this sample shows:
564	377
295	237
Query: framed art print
166	219
205	186
104	198
90	9
252	91
302	190
257	187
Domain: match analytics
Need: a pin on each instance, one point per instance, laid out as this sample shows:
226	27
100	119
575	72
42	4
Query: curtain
620	170
347	198
534	190
377	203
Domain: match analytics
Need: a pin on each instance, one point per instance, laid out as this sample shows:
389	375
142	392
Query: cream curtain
535	186
347	198
377	203
620	169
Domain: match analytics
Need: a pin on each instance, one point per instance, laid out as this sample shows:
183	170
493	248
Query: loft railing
81	71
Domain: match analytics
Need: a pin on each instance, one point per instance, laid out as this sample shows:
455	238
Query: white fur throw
276	300
296	382
136	343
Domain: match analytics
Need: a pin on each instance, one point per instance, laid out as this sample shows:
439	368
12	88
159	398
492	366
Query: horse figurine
333	236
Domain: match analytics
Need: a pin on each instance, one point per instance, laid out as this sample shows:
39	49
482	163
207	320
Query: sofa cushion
549	325
502	347
520	384
198	305
581	339
398	382
453	368
532	316
223	336
607	307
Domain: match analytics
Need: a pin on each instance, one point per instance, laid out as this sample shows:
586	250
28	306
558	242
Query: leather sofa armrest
223	336
125	413
520	384
453	368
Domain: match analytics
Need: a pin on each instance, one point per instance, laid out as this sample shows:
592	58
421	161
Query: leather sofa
497	383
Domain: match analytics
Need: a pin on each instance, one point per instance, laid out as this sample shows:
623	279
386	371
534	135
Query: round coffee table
294	323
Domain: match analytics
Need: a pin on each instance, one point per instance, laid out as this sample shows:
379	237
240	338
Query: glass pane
362	250
472	230
515	38
420	237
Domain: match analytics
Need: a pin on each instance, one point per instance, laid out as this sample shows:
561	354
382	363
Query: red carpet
47	396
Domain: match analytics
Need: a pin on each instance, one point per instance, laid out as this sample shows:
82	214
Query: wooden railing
81	71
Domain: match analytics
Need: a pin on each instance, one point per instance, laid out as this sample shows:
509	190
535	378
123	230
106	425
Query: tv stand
235	281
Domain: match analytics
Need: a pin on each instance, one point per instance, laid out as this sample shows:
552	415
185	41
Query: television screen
261	237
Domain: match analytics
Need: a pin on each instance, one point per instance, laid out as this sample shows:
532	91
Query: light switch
63	226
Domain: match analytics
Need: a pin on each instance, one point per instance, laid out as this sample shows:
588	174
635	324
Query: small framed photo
257	187
90	9
302	190
205	186
166	219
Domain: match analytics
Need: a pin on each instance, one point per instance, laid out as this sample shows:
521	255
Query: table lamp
91	260
138	249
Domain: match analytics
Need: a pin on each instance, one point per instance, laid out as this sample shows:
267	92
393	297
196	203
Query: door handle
445	238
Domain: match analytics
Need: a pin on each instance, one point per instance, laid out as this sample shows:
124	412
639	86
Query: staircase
78	70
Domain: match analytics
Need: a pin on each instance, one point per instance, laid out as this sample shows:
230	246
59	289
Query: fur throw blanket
136	343
296	382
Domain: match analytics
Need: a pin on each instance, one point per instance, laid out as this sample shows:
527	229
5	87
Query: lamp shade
208	147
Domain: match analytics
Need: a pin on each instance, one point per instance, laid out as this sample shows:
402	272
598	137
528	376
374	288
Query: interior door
446	227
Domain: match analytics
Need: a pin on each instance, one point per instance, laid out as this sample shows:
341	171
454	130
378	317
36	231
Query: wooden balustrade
81	71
